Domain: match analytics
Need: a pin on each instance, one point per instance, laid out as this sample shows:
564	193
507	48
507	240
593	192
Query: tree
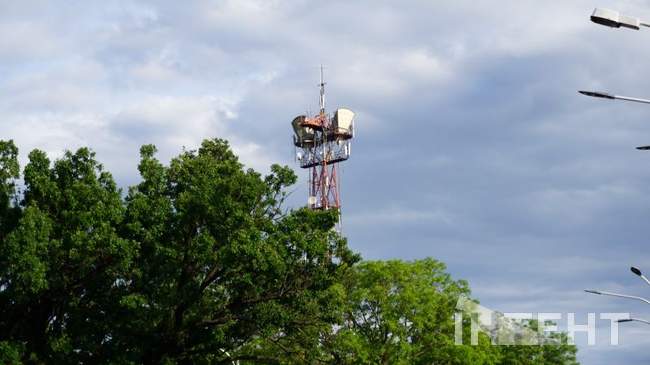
200	263
220	266
553	349
399	312
9	172
196	264
61	257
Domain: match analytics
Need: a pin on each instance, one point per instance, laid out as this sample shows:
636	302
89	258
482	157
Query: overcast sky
473	145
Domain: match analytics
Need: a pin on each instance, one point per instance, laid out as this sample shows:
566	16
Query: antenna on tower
322	142
322	92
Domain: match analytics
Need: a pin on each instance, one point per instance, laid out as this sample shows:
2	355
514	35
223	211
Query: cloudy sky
473	146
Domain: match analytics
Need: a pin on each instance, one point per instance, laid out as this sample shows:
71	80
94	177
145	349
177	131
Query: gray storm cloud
473	146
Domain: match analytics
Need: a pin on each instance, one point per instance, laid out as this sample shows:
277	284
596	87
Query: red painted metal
322	147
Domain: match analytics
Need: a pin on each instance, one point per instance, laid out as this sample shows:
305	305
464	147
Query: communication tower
322	142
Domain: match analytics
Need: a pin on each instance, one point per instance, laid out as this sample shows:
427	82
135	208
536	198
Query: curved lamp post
604	95
614	19
633	320
638	273
599	292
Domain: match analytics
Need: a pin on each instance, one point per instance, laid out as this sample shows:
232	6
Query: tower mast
322	142
322	92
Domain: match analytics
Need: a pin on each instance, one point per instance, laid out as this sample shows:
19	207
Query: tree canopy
200	262
398	312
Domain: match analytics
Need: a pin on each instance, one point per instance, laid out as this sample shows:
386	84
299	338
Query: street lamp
604	95
633	320
614	19
638	272
598	292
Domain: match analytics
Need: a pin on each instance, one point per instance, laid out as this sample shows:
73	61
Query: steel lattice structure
322	142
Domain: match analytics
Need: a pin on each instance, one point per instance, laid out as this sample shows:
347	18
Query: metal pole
636	100
618	295
633	320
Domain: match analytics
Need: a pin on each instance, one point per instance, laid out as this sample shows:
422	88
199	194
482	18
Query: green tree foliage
195	264
9	172
553	349
60	259
199	263
220	266
399	312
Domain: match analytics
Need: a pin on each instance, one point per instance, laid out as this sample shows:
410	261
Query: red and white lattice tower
322	142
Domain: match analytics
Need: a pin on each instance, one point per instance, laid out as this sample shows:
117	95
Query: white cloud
400	216
472	140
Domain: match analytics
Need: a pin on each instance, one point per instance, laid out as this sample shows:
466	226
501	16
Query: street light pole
604	95
638	273
598	292
633	320
614	19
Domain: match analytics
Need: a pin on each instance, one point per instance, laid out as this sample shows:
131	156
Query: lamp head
613	19
597	94
593	291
